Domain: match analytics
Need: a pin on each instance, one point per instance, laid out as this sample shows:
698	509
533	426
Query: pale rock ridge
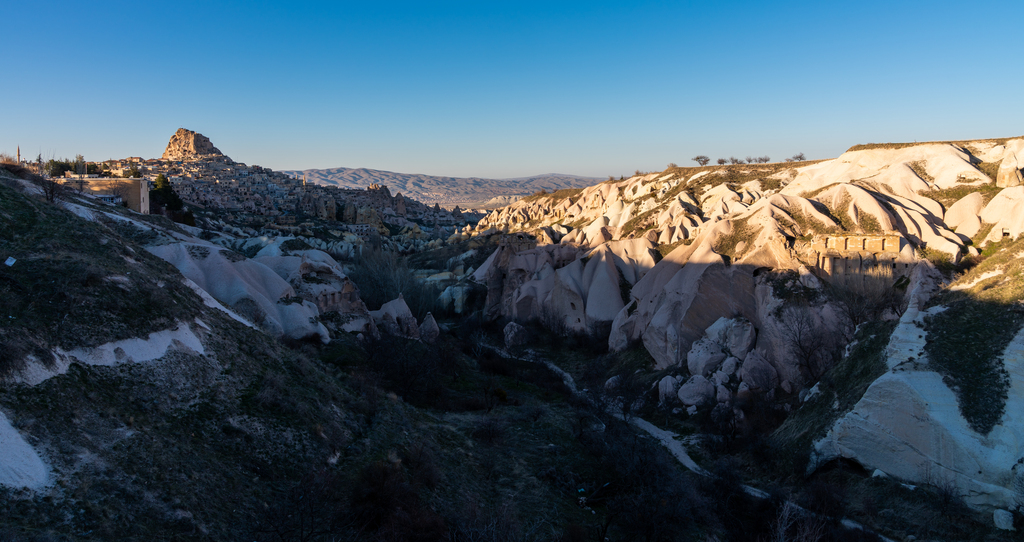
1010	173
964	216
135	350
563	284
1006	212
908	422
247	287
948	165
189	145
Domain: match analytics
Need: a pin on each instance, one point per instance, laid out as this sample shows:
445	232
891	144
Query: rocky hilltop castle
189	145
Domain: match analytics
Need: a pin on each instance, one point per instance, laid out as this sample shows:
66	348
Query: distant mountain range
472	192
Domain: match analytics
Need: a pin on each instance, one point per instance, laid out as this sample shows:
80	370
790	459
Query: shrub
383	500
382	276
825	499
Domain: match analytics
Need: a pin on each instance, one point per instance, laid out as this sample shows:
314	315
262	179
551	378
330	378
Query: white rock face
135	350
908	422
964	216
1010	168
20	464
1006	211
245	284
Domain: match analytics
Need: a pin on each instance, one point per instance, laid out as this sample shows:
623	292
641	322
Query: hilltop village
258	198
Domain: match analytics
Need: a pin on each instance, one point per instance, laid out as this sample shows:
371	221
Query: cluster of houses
218	183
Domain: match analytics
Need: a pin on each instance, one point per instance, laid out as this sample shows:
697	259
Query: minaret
19	154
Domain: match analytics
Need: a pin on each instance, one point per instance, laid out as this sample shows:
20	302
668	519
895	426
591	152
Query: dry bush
312	509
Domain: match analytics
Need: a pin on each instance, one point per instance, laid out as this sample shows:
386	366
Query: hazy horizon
506	91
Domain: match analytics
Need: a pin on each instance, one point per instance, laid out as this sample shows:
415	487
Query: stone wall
861	261
134	192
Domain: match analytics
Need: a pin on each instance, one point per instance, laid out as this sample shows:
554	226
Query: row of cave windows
869	266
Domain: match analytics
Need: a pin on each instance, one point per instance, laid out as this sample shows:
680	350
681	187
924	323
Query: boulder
730	365
722	394
397	311
667	388
704	356
515	335
429	332
1003	520
696	391
737	335
757	373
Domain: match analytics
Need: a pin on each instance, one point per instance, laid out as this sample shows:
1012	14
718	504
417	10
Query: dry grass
949	196
918	167
570	193
736	243
893	146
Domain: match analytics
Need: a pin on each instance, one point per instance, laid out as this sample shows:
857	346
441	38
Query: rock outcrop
1010	167
248	287
189	145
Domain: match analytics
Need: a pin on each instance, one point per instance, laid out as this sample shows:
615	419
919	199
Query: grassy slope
965	341
78	283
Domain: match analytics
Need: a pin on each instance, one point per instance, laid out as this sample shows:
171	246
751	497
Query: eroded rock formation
189	145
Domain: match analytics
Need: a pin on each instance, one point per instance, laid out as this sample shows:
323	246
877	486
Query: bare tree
672	165
722	161
701	159
734	160
812	345
798	157
53	189
865	301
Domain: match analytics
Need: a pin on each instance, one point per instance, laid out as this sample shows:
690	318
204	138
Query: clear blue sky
497	89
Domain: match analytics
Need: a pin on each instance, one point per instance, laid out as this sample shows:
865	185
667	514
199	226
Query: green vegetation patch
918	167
965	345
295	244
665	250
990	168
79	283
966	341
730	244
808	225
949	196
